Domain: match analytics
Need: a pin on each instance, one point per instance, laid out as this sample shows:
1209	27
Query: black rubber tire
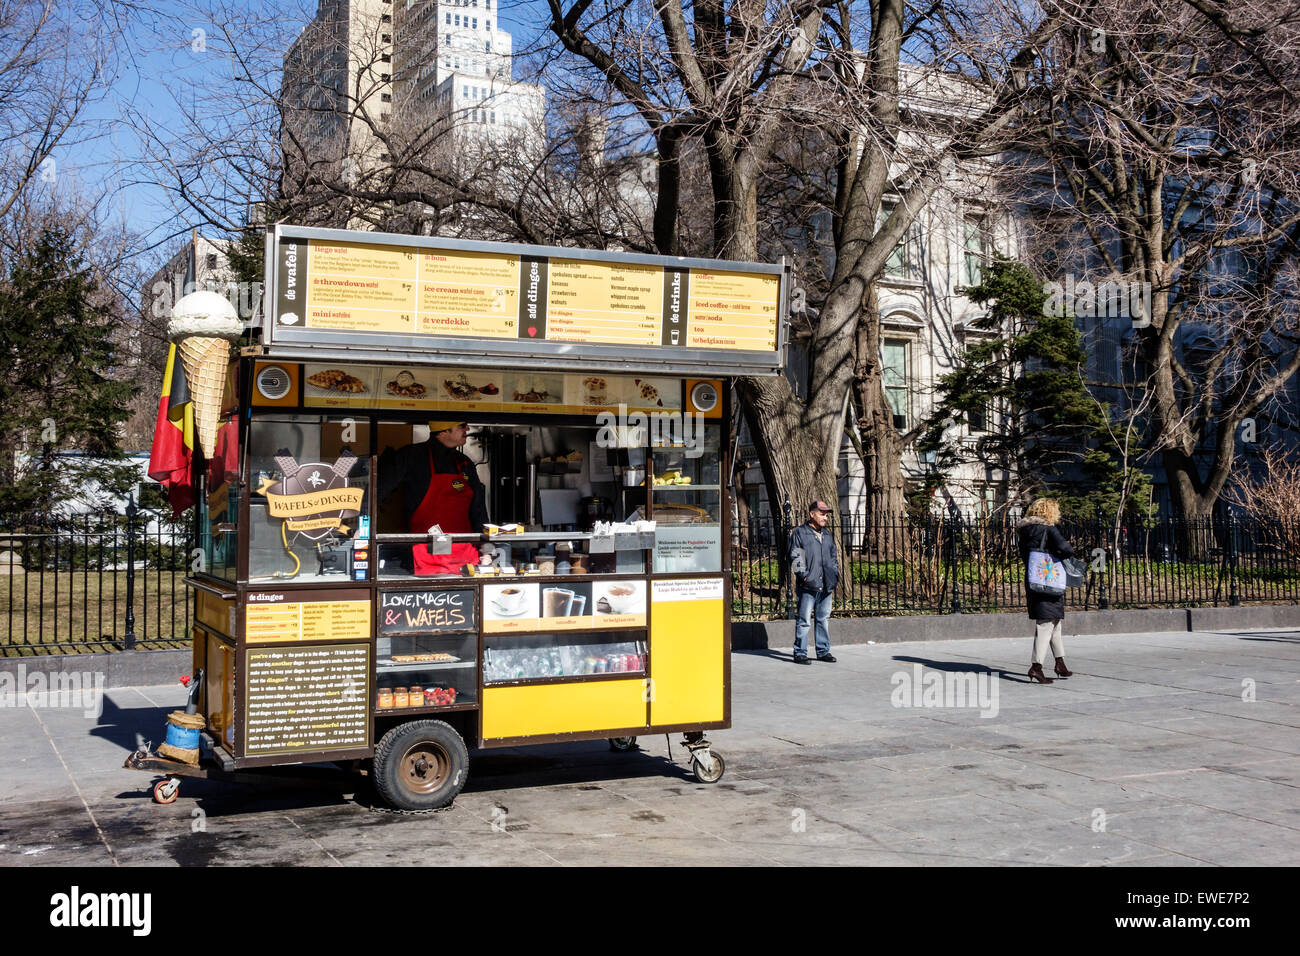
719	768
622	744
421	765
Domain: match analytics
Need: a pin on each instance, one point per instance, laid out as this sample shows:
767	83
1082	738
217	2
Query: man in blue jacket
817	570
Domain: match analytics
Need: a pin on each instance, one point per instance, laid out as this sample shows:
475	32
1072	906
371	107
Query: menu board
731	310
268	620
426	612
352	284
306	699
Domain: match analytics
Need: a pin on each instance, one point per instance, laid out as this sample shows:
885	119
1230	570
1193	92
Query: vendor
441	487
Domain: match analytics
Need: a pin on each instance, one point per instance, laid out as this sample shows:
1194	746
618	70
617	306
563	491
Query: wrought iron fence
91	583
899	564
64	584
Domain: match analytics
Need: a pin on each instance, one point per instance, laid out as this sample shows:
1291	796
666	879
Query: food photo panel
568	606
619	603
513	606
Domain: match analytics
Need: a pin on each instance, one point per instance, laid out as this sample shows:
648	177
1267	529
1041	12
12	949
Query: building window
212	260
975	249
386	18
385	77
494	117
385	58
487	24
458	19
902	262
896	372
474	23
386	37
449	19
386	97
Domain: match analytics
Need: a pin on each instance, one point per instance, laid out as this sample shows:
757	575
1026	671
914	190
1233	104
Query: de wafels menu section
365	287
283	616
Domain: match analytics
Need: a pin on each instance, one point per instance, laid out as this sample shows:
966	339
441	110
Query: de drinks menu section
366	287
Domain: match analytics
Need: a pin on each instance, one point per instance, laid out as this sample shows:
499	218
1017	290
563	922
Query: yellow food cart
593	604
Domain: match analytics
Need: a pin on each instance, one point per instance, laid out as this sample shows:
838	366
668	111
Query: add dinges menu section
532	297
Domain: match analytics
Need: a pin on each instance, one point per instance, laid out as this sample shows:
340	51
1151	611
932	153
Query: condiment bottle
416	696
400	697
386	698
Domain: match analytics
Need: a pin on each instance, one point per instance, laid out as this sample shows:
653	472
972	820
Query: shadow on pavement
965	667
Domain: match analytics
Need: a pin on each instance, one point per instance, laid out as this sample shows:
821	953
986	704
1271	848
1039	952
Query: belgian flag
172	456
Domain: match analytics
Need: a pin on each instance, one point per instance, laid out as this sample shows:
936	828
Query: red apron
445	504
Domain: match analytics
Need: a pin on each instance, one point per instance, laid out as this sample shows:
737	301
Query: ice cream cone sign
203	325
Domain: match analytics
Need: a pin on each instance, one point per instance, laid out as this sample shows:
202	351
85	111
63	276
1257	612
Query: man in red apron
441	487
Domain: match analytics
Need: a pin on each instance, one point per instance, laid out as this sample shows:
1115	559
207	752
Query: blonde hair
1044	508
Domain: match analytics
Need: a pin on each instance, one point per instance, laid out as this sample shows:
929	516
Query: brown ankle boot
1061	669
1036	672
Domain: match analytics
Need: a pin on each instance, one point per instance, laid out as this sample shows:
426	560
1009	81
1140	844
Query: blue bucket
182	738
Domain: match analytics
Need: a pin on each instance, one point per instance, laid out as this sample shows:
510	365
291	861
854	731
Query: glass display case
511	658
429	670
308	491
525	555
687	498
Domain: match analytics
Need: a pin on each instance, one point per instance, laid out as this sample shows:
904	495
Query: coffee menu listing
375	288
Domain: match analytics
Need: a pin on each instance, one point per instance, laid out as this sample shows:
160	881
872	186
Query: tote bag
1046	574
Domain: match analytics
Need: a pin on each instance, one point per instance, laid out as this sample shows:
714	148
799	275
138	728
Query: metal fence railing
64	583
899	564
91	583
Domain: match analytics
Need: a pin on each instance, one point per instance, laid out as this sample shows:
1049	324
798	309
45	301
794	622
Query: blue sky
160	74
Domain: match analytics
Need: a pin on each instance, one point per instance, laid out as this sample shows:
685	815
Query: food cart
596	602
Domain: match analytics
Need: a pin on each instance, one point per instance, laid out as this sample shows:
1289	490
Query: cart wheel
622	744
713	774
421	765
166	791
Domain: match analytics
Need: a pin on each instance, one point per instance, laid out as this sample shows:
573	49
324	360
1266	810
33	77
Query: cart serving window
479	500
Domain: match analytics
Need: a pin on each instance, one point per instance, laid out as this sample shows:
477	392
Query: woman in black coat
1038	532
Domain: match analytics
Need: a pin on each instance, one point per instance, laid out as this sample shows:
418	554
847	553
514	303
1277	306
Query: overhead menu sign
340	287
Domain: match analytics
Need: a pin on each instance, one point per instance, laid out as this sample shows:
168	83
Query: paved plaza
1164	749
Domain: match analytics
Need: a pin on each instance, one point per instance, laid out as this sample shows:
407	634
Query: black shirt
408	468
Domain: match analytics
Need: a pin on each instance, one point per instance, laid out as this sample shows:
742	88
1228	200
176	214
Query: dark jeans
813	604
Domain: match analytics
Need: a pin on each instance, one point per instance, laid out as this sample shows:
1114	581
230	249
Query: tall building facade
432	76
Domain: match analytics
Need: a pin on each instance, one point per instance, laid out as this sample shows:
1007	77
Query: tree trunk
882	444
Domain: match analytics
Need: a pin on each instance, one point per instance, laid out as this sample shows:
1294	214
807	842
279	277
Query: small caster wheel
166	791
710	774
622	744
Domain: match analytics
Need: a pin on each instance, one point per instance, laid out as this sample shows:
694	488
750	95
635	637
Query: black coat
1042	607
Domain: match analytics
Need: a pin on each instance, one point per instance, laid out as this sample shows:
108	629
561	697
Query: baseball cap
435	427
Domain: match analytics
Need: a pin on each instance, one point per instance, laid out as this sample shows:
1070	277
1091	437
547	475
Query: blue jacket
822	564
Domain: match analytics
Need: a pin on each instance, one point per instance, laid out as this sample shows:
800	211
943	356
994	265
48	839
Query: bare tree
746	79
1176	156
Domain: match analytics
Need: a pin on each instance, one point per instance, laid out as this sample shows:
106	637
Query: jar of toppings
401	698
386	698
416	695
430	697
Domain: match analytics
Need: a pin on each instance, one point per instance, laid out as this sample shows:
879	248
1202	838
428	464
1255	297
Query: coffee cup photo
510	600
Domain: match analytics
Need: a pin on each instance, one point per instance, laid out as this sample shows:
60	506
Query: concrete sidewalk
1152	754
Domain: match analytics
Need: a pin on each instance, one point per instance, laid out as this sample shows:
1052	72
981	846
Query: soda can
602	665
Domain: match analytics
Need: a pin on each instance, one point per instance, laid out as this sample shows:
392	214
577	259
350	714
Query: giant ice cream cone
203	325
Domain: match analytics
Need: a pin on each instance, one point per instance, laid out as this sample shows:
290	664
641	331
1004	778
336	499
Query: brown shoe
1036	673
1061	669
